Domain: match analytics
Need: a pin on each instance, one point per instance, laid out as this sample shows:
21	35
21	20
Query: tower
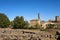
57	18
38	16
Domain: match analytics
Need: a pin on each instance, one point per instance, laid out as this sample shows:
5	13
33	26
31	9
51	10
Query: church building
34	22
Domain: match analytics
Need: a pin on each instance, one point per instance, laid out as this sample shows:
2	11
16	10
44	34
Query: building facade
34	22
57	18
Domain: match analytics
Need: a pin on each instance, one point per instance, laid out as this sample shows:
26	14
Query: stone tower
57	18
39	18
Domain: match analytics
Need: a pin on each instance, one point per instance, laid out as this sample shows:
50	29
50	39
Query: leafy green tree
4	21
26	24
16	22
19	23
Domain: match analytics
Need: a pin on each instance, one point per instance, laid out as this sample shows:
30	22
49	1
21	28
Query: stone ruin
19	34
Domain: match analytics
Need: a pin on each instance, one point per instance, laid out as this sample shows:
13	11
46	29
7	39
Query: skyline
48	9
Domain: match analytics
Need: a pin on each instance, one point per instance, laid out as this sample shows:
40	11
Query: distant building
34	22
57	18
56	22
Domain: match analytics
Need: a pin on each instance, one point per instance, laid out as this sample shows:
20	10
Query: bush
49	26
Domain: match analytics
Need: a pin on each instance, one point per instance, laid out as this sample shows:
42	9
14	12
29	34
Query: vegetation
50	26
11	24
4	21
37	26
19	23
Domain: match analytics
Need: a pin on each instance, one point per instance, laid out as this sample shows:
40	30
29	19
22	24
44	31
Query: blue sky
29	9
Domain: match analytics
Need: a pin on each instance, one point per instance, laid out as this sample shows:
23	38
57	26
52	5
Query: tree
19	23
37	25
11	24
16	22
4	21
26	24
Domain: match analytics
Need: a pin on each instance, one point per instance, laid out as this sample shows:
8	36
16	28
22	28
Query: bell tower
38	16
